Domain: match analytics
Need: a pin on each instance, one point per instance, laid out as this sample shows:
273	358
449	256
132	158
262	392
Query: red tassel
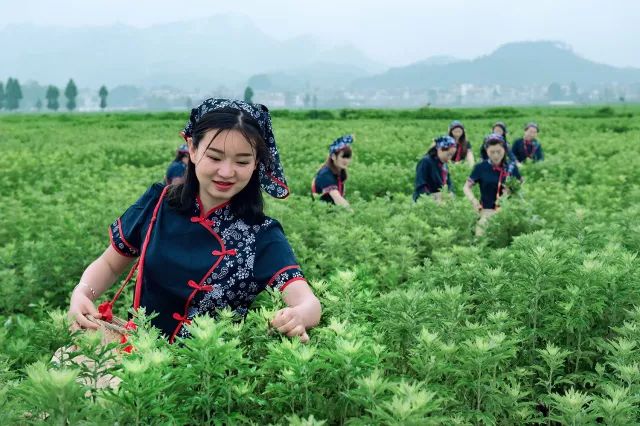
105	309
123	340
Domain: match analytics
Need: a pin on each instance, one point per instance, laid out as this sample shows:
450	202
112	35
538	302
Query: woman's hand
290	321
469	194
80	306
102	273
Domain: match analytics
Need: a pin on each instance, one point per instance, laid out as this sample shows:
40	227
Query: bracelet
93	292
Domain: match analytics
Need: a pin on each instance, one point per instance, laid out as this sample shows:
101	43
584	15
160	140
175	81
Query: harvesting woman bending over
499	128
178	167
463	146
492	175
206	244
329	180
432	173
528	146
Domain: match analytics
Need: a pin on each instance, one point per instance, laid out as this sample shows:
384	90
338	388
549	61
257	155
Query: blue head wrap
454	124
340	143
494	137
271	173
444	142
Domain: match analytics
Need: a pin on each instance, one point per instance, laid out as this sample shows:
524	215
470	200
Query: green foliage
2	95
248	94
13	94
71	92
52	95
538	321
103	93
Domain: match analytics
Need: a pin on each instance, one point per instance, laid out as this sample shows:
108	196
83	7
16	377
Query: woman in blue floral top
206	244
492	175
329	181
432	173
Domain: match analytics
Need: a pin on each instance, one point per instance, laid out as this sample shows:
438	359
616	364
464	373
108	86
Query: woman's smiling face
224	163
342	160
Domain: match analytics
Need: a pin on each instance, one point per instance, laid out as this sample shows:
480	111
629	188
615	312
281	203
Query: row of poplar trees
11	94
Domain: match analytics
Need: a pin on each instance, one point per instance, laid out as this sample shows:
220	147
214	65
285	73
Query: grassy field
537	321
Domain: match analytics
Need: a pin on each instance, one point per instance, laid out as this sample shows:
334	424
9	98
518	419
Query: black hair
494	142
248	204
180	155
433	150
462	146
503	127
463	137
346	152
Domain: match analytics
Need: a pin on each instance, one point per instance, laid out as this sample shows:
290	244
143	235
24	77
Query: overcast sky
394	32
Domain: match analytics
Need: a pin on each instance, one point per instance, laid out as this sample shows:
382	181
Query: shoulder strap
143	252
106	308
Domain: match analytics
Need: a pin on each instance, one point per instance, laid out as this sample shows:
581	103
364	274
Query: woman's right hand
80	306
476	205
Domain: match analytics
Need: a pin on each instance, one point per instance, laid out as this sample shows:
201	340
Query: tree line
11	95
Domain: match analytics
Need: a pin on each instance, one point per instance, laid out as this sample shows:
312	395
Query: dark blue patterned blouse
195	264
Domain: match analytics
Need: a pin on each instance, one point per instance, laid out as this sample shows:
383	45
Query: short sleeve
421	186
275	264
325	182
475	174
126	232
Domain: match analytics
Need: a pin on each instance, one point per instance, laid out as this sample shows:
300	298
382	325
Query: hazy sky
394	32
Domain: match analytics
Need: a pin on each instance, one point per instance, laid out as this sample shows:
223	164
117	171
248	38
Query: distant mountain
439	60
204	53
334	69
318	76
513	64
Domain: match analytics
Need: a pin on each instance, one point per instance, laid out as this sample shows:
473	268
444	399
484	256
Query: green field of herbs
537	322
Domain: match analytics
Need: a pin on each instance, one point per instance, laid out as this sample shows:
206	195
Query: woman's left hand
290	322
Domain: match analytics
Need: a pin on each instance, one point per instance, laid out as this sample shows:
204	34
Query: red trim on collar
211	210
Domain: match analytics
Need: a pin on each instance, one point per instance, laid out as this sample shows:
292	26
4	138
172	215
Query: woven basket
114	331
111	333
